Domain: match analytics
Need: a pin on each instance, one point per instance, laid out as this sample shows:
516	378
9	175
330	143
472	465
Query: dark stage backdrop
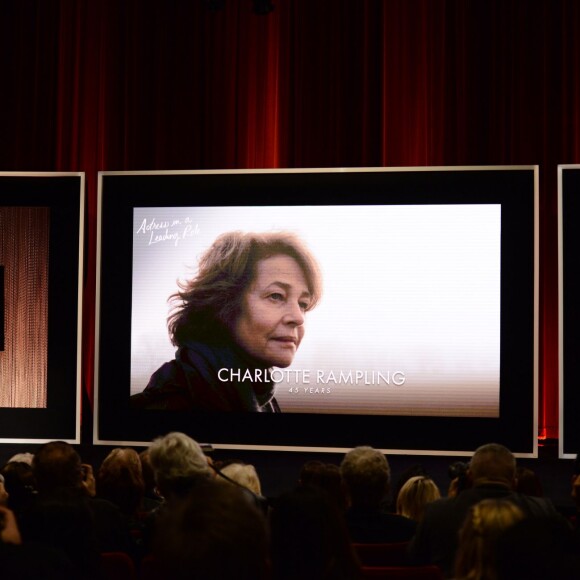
91	85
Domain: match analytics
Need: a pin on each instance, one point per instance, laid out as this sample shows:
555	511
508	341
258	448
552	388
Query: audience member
22	458
120	480
179	466
415	494
327	477
20	485
65	514
404	476
246	478
214	534
492	472
244	475
30	561
151	498
366	474
58	470
476	552
528	482
309	538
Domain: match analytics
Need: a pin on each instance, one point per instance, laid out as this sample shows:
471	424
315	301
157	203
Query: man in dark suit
492	473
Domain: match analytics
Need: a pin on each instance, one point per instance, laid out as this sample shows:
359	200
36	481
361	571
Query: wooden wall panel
24	251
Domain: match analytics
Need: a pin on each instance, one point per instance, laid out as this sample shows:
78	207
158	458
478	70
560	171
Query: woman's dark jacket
191	382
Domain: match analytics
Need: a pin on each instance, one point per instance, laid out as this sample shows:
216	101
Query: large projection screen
429	297
569	309
41	249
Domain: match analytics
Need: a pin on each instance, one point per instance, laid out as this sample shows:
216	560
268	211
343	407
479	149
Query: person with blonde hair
243	474
485	522
242	315
415	494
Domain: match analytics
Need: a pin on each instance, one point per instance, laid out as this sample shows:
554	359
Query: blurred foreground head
484	524
215	533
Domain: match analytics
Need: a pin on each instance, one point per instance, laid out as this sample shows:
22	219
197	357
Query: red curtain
91	85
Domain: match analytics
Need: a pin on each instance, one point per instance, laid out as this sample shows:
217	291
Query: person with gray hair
491	475
22	458
179	463
366	475
179	467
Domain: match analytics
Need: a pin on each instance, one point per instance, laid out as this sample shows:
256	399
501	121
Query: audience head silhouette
493	463
179	463
57	467
366	474
528	482
323	550
243	474
415	494
215	533
324	476
478	536
120	479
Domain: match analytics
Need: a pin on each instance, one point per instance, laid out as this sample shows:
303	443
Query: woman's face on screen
271	323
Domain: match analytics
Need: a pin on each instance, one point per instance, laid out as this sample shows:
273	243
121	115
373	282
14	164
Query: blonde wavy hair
485	522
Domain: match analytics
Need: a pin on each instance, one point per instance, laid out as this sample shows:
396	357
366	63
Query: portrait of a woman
240	316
